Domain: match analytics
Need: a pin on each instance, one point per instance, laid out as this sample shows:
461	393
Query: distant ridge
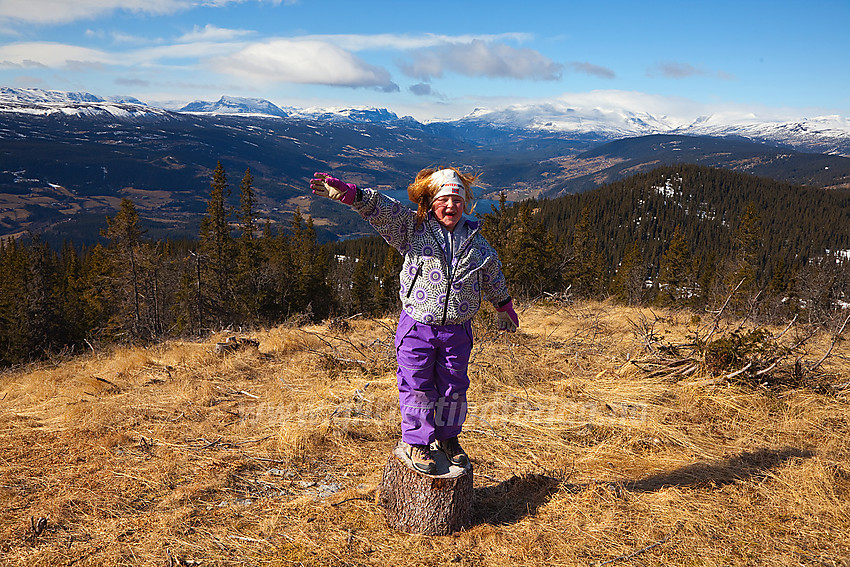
235	105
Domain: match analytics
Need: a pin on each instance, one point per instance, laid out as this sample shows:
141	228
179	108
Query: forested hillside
678	236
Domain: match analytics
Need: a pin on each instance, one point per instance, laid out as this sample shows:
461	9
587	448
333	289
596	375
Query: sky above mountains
438	59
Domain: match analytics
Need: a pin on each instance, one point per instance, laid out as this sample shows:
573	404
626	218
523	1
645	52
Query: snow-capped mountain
822	134
235	105
606	121
43	102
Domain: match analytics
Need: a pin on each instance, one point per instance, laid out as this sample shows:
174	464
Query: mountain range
67	158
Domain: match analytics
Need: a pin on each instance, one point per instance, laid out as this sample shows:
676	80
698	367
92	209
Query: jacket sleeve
393	221
493	284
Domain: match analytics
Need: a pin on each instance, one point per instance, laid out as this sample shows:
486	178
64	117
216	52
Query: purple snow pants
432	378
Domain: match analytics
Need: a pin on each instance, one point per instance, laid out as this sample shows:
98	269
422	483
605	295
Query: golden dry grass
177	455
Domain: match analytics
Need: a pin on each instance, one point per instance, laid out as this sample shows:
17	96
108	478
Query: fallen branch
634	554
719	314
832	345
739	372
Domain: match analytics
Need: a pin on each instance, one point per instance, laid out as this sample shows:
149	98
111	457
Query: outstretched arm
326	186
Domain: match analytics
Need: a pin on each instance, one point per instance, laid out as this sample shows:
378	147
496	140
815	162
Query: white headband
449	183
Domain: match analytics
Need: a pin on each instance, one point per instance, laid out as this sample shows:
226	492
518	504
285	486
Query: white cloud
305	62
401	42
54	55
213	33
681	70
478	58
591	69
64	11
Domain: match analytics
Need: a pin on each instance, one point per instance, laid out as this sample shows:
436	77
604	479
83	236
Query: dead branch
37	526
786	329
739	372
719	314
634	554
768	369
832	345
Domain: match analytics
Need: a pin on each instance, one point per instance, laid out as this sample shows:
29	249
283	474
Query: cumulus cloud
305	62
420	89
478	58
591	69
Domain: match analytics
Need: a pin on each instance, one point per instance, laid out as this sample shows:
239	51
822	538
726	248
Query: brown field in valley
593	443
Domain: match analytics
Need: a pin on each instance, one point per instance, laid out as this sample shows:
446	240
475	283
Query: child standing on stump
448	267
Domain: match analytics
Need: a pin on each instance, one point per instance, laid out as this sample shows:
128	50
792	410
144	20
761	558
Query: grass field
586	449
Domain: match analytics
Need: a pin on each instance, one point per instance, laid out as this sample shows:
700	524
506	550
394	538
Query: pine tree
249	261
125	246
585	266
675	271
217	252
362	293
388	294
528	255
629	282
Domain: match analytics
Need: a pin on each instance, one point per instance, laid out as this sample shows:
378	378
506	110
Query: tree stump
418	503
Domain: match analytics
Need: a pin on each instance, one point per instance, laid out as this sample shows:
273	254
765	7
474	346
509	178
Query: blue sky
440	59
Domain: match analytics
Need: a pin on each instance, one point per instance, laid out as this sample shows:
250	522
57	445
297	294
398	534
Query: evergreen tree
388	293
585	265
675	271
249	260
312	291
125	247
217	253
362	293
629	285
528	255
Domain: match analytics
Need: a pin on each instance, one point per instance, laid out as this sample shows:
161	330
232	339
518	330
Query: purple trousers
432	379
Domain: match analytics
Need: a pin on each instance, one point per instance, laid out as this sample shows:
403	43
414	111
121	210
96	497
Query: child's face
448	210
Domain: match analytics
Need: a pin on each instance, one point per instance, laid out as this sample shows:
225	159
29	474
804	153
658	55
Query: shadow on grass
744	466
512	500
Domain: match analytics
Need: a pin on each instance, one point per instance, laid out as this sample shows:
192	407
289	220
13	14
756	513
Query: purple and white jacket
432	291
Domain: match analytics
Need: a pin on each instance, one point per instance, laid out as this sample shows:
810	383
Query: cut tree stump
418	503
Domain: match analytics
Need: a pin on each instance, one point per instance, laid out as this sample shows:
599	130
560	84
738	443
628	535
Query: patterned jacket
429	291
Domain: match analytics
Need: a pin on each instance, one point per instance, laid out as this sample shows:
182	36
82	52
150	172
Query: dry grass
177	455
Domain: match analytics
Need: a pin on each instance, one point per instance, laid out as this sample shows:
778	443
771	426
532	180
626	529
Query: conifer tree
249	261
528	254
629	282
313	292
585	265
125	245
388	298
362	294
742	269
217	250
675	270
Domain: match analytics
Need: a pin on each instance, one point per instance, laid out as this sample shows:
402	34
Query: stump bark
417	503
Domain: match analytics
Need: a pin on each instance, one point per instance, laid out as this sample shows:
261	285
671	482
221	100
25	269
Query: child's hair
422	191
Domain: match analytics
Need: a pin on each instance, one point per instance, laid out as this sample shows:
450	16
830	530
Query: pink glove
507	318
327	186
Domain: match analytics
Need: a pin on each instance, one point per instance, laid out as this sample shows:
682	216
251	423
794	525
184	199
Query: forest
679	236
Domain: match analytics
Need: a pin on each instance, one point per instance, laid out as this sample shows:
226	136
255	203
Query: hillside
587	449
66	159
796	223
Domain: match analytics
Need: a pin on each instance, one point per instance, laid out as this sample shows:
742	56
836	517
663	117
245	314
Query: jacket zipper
415	277
449	278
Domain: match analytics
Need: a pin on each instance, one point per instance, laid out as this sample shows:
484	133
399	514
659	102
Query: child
448	267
